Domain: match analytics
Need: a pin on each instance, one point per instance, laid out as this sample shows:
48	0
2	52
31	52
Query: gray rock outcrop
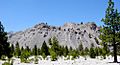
70	34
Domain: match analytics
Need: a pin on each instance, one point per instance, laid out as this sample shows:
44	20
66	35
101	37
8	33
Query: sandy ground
61	61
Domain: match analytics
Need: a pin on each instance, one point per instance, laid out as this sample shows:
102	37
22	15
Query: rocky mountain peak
70	34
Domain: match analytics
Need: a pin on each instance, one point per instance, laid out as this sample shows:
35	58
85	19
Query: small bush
74	54
6	63
3	57
53	55
92	53
36	60
44	56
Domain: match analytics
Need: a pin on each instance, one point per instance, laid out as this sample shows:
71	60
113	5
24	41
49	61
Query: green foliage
43	55
92	53
55	48
17	50
97	51
22	48
12	49
111	29
35	49
39	51
65	51
71	48
86	51
4	45
45	49
25	54
74	54
3	57
53	55
6	63
105	51
36	60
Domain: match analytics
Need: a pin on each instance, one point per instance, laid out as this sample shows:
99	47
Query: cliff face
70	34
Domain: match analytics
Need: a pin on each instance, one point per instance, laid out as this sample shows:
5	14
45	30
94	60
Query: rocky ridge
70	34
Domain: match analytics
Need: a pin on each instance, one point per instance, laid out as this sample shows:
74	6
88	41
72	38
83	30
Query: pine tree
66	51
53	55
34	51
71	48
97	51
39	51
12	49
45	49
55	48
86	51
17	50
4	45
22	48
25	54
111	29
92	53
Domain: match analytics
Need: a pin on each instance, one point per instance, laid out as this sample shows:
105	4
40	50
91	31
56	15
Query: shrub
44	56
24	56
3	57
92	53
74	54
36	60
53	55
6	63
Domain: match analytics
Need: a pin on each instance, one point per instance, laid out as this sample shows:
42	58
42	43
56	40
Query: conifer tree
34	50
12	49
39	51
25	54
92	53
55	48
66	51
111	29
22	48
97	51
4	45
71	48
86	51
45	49
17	50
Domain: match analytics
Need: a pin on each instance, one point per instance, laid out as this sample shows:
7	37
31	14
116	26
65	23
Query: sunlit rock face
70	34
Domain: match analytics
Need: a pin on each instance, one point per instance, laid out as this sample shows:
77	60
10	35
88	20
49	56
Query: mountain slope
70	34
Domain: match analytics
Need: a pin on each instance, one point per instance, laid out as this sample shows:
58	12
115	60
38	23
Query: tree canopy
110	33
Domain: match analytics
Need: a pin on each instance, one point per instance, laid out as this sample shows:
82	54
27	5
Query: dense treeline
54	50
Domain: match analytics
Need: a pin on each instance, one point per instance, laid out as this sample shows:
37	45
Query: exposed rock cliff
70	34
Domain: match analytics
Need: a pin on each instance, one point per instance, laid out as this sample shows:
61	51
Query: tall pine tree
110	33
4	45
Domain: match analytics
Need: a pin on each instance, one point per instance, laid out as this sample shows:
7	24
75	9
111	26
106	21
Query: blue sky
18	15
